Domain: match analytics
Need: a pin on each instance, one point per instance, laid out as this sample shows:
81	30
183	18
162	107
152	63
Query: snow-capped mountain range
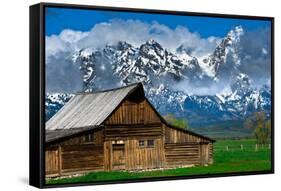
167	77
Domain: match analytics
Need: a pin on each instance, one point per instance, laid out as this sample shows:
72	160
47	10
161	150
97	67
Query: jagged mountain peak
151	49
225	58
152	42
234	35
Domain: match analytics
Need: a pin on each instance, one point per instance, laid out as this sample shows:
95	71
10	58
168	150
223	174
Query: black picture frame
37	92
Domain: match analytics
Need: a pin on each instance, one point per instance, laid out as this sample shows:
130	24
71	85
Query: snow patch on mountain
54	102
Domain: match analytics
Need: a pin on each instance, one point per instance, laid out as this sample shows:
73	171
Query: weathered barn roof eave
68	133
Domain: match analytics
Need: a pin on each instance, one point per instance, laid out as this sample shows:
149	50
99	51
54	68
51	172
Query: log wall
131	112
132	132
85	157
77	154
183	148
182	154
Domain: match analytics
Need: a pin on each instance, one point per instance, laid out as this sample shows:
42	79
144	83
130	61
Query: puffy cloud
64	42
54	45
71	36
132	31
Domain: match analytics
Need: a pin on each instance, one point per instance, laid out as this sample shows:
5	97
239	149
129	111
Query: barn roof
86	111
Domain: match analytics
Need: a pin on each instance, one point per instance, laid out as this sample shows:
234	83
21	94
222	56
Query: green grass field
228	158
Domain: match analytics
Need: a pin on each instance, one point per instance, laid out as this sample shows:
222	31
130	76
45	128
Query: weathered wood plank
182	154
133	113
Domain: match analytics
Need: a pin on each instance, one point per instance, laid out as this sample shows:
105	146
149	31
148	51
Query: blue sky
58	19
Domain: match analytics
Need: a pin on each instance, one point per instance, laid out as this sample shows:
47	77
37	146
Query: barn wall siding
76	154
107	155
82	157
118	132
138	158
182	154
211	159
130	112
198	150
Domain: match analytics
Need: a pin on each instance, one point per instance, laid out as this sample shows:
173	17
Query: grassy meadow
229	156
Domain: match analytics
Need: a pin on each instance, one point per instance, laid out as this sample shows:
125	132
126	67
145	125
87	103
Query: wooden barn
118	129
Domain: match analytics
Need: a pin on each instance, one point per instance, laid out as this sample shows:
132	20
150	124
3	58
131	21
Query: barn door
118	158
204	153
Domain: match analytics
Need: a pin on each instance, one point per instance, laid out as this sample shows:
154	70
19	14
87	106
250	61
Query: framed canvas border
37	93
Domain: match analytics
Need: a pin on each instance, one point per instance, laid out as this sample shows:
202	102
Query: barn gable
133	113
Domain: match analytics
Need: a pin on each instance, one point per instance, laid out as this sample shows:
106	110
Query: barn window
141	143
150	143
89	138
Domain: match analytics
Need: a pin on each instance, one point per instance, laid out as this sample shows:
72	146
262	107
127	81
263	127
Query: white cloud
201	89
64	42
54	45
72	36
132	31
